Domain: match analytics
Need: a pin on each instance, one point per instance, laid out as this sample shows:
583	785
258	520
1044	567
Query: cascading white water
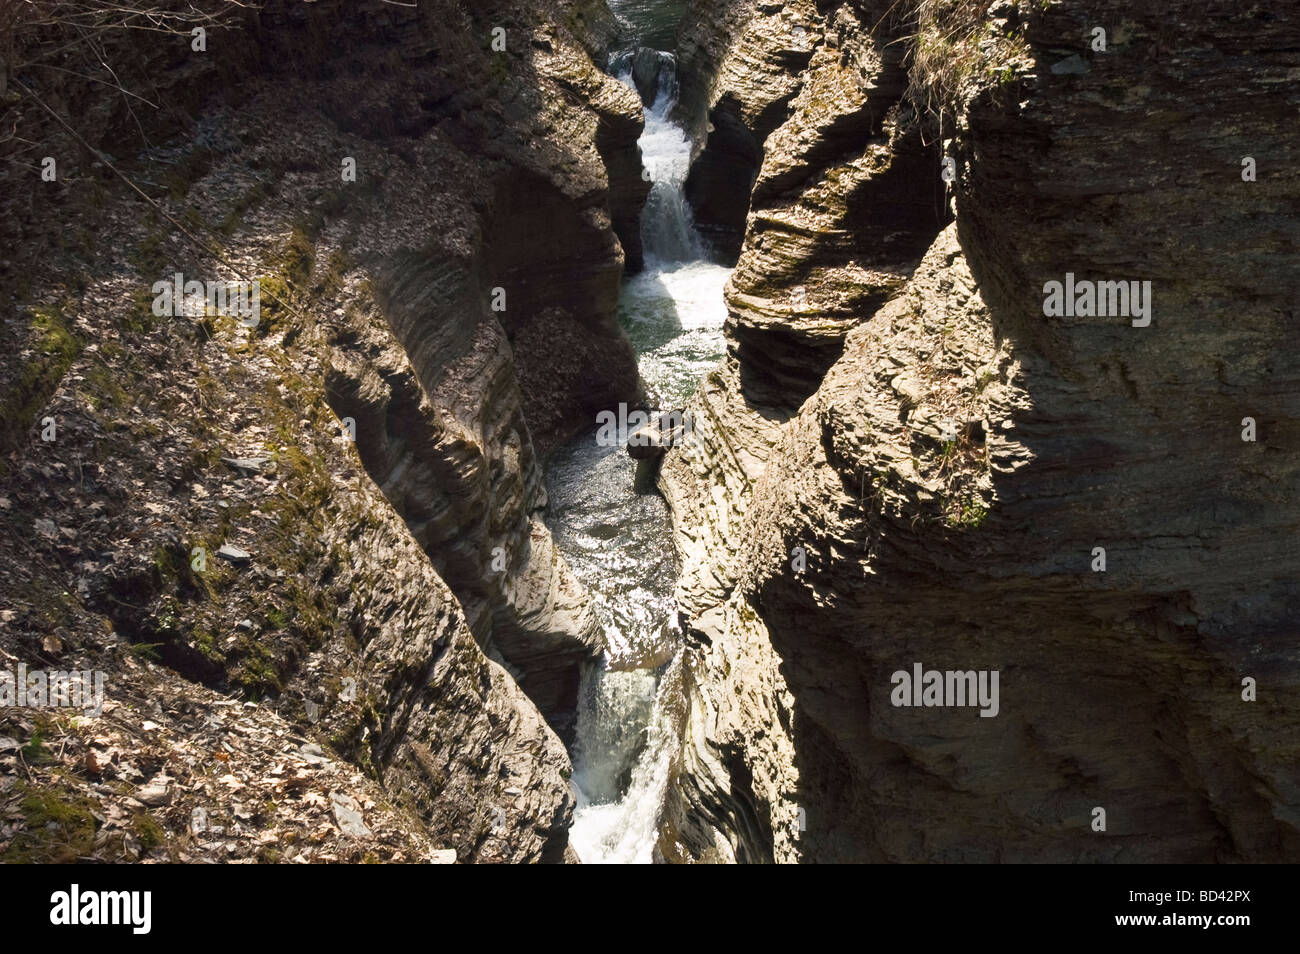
667	231
619	544
622	827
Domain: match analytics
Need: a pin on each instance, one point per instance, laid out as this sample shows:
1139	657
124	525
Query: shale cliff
305	551
904	460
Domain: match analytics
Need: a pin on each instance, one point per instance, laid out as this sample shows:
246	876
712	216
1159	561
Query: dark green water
650	23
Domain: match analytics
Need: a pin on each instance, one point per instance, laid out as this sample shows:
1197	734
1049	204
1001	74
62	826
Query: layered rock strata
944	493
335	514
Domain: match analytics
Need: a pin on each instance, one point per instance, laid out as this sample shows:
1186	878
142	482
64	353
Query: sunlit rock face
905	463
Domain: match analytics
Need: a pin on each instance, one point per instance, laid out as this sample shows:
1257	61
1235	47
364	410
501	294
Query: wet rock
654	439
646	444
647	66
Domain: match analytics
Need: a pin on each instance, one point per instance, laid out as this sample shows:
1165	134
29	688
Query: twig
213	250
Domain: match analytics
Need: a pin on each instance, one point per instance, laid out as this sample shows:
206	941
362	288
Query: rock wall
492	334
368	455
937	495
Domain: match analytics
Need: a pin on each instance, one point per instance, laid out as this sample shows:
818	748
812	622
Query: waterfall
667	230
617	819
620	544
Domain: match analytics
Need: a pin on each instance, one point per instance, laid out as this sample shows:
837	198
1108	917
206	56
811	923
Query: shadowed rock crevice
559	265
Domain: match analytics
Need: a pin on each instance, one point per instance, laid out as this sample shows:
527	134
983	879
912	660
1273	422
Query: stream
618	542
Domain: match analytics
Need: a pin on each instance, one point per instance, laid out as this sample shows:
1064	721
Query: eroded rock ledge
948	476
397	590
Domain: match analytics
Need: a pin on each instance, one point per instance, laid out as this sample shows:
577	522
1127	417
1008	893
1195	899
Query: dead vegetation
955	46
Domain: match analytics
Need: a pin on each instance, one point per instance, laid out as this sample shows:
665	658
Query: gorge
365	583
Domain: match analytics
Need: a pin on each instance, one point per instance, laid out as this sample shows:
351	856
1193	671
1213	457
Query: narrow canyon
649	432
